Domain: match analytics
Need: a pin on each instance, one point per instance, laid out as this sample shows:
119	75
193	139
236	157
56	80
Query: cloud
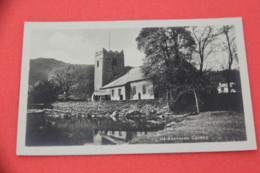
71	48
79	46
62	41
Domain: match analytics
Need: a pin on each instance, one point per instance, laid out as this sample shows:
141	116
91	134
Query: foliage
42	69
217	77
168	51
44	92
65	77
165	49
84	87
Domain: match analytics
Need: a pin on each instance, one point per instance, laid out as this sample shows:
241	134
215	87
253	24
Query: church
115	81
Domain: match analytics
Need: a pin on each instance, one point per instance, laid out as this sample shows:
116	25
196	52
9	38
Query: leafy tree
85	85
44	92
167	51
65	77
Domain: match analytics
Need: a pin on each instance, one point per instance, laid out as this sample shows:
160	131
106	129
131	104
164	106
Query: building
223	88
114	81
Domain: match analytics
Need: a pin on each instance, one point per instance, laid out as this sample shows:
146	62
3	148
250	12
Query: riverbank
145	115
145	108
217	126
151	115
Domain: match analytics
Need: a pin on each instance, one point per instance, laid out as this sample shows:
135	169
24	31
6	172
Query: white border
250	144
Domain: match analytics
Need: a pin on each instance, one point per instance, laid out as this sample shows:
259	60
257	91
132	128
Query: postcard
123	87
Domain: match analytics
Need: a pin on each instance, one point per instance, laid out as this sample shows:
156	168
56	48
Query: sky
79	46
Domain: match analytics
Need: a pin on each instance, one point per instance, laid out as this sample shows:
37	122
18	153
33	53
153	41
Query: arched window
134	90
97	63
144	89
115	62
112	93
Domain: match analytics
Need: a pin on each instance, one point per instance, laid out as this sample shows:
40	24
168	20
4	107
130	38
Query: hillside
41	68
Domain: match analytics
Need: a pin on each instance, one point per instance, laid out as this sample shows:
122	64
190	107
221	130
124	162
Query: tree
231	49
204	37
65	77
167	51
44	92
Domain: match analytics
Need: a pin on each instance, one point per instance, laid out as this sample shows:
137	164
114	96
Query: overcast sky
79	46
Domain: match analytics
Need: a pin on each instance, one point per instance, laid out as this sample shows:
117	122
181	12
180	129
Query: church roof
134	74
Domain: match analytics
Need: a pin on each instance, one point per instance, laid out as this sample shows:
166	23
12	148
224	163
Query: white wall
116	96
98	75
139	89
223	88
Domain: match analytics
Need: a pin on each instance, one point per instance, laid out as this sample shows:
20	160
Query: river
43	130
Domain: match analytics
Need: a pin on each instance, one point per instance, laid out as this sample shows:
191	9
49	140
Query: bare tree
204	37
231	49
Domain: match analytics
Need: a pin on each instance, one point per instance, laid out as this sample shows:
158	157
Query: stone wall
108	64
113	64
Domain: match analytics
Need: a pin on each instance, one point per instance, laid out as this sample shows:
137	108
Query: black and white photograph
158	86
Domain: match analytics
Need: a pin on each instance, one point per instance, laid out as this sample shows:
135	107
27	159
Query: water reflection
45	131
115	137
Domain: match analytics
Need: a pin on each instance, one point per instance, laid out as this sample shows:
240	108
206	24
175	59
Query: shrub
44	92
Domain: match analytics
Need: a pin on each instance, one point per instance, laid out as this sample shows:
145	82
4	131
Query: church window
97	63
144	89
112	93
134	90
114	62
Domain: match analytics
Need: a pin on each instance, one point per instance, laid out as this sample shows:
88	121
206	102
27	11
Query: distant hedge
227	101
210	102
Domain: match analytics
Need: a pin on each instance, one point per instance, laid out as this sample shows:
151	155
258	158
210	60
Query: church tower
108	64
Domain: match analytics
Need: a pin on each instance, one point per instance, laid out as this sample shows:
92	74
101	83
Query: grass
205	127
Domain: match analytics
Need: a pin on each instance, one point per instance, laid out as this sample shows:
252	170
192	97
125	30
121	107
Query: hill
41	68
